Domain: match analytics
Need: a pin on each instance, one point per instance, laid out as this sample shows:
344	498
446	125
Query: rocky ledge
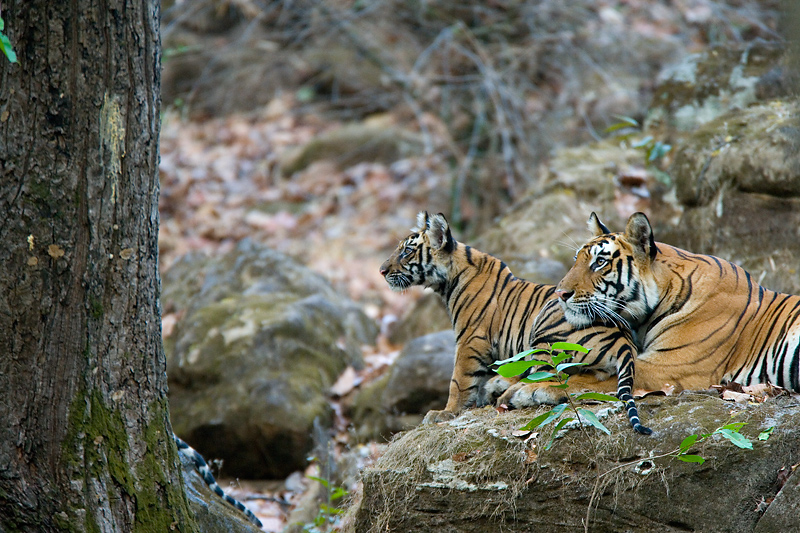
479	472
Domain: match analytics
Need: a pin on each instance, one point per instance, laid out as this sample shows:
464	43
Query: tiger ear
439	233
595	226
422	222
640	234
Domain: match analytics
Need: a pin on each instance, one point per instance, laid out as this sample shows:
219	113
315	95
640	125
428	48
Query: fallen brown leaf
765	390
347	381
531	456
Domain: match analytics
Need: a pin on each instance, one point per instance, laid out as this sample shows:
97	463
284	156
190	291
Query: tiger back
496	316
698	320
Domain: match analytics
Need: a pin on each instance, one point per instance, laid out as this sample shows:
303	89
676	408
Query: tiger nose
564	295
384	271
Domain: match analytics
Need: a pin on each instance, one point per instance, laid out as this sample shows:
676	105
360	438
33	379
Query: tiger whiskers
574	246
602	310
636	315
398	282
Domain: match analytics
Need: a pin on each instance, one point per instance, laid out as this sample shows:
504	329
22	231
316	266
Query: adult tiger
698	320
495	316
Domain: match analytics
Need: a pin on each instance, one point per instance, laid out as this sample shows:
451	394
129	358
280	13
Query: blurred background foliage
495	86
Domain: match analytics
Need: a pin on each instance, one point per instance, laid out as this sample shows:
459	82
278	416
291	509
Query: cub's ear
640	234
439	234
595	226
422	222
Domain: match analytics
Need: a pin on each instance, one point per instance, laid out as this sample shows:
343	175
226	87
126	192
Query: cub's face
420	258
405	267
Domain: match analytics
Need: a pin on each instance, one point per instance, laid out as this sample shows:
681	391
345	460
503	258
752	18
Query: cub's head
612	278
422	257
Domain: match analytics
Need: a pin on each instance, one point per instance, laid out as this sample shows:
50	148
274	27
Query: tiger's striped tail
625	370
208	477
633	412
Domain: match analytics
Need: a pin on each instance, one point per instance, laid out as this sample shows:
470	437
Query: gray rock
418	381
250	362
736	168
420	377
354	143
427	315
704	86
474	474
546	227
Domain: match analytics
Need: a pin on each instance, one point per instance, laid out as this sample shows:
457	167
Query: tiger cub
495	316
698	320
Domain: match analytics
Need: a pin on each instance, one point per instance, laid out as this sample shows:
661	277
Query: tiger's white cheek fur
574	316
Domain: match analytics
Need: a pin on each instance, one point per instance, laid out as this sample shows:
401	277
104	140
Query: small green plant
555	371
5	44
628	130
329	513
728	431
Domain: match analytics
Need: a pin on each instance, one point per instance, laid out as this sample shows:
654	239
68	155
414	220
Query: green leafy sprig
557	365
5	44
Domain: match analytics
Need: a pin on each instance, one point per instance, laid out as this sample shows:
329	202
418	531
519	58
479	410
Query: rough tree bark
85	442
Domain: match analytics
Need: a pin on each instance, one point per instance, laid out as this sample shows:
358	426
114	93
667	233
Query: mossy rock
538	237
427	315
475	474
250	362
704	86
355	143
739	180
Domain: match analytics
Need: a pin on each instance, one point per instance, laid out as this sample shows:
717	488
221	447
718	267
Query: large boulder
479	473
426	315
705	86
735	127
732	188
539	235
374	140
259	342
739	180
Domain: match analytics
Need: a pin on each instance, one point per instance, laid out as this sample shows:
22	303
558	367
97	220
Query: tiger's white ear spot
595	226
439	232
422	222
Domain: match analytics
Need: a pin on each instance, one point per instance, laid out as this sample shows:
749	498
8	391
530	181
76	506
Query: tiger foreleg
470	373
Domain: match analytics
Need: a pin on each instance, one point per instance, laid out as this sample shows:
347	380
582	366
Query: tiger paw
531	394
434	417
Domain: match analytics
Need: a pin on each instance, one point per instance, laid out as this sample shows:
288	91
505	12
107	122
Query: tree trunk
85	440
